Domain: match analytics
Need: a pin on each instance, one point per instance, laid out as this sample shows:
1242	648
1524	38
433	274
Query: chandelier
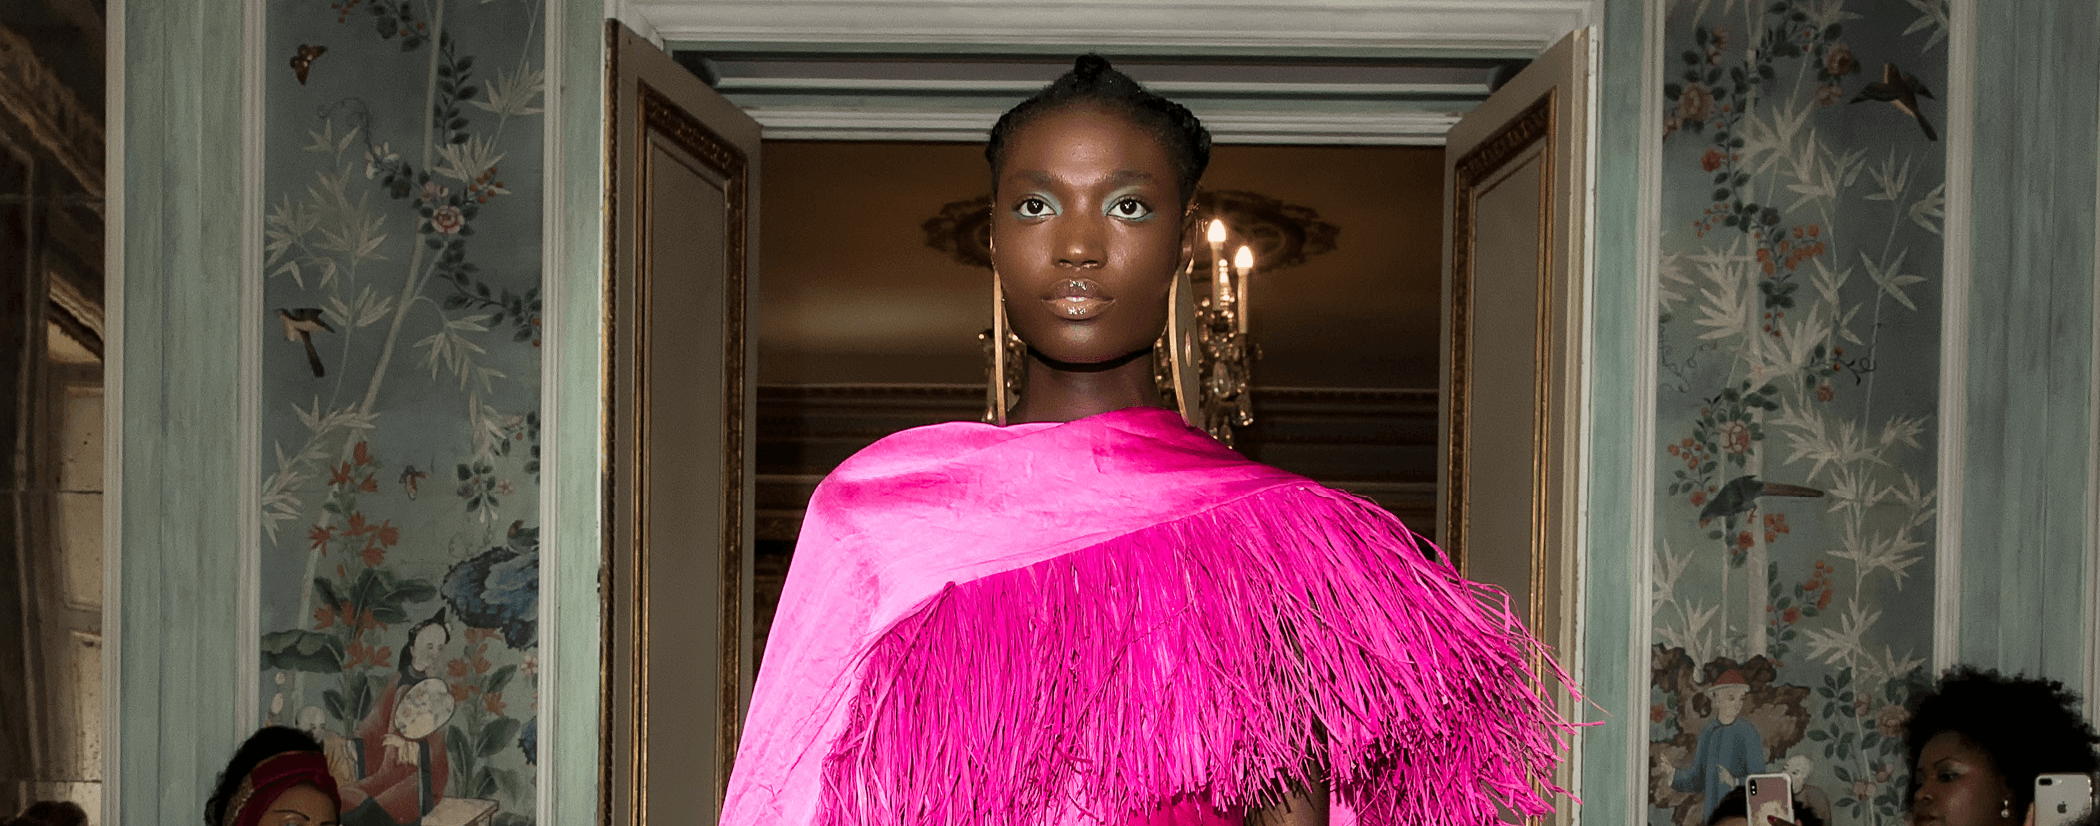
1224	357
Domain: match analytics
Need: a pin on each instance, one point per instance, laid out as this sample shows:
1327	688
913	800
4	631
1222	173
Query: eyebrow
1120	177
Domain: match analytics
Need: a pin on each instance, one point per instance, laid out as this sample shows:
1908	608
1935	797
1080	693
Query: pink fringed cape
1104	620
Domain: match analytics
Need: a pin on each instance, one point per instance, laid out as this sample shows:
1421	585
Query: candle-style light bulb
1244	262
1216	233
1220	277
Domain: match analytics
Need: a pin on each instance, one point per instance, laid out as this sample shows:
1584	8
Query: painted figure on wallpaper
1729	748
1799	769
402	249
1729	720
1803	192
403	738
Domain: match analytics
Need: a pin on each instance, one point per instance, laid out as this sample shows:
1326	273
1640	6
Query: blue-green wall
178	602
2026	477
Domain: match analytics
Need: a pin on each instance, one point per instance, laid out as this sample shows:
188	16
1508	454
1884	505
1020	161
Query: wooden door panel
682	229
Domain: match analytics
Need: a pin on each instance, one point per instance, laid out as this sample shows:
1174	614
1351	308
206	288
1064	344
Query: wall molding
1618	484
1954	332
573	386
1399	128
113	370
1515	27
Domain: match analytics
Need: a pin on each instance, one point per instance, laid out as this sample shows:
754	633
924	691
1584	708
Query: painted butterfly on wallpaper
303	62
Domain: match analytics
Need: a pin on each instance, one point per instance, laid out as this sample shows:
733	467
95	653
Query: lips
1077	299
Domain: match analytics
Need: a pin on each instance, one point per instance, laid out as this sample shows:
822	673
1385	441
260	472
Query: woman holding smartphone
1978	741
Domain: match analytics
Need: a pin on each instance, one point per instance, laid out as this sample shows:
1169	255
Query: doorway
1556	145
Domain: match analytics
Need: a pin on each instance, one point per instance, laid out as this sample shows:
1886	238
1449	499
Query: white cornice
1398	128
1514	27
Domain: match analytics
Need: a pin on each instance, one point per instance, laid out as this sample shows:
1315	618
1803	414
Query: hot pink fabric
1120	621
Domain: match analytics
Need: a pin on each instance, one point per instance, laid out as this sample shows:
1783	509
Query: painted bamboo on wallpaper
1803	192
401	399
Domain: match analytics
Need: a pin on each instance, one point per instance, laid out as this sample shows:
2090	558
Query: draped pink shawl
1085	622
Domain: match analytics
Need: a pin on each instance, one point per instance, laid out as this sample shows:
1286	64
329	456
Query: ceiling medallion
1282	235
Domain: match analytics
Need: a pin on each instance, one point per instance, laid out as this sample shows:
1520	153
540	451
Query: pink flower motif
1892	721
1695	103
433	191
1824	392
1862	790
503	487
1712	160
531	665
1829	95
1717	46
447	219
1838	60
1735	438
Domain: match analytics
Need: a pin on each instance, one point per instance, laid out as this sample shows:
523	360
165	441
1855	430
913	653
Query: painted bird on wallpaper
1742	492
1900	89
303	61
300	325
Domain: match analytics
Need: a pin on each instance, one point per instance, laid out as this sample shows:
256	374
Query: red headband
273	777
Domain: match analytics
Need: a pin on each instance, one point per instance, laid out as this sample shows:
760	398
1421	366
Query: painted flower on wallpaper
1695	103
447	220
1838	61
1798	345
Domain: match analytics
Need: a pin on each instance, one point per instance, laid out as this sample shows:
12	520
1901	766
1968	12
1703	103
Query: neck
1061	392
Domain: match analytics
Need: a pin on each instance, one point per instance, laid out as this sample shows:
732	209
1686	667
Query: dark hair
1092	82
50	813
2027	726
409	674
264	744
1737	804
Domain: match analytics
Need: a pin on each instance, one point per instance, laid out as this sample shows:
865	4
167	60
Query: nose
1082	244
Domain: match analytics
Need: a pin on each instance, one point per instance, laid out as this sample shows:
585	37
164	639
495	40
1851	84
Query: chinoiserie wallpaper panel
400	398
1804	170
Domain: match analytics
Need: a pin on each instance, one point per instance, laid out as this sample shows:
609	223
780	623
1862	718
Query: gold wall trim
608	322
1536	123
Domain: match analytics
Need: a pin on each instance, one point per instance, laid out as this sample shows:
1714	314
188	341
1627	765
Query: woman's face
1088	231
1958	785
425	650
301	805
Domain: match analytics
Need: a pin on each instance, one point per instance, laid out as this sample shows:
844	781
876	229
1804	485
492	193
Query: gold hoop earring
1174	371
1005	359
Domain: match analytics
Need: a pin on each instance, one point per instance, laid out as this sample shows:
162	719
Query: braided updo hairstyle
1092	82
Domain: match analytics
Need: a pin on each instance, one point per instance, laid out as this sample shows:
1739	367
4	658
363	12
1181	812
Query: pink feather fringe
1233	654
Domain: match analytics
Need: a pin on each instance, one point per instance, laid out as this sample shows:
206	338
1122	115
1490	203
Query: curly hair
264	744
1092	82
2027	726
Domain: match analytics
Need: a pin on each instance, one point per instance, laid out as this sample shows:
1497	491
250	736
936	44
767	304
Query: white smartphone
2060	799
1769	795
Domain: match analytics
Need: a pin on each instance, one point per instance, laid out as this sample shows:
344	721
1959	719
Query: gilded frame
626	537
